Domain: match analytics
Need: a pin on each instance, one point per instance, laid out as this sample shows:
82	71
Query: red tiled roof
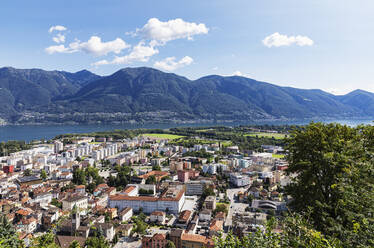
103	185
155	173
193	237
185	215
158	213
129	189
159	236
216	225
23	212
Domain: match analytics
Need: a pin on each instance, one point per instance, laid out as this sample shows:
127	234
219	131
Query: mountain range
149	95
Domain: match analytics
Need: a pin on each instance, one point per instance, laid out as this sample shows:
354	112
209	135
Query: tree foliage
8	236
89	177
45	241
333	179
97	242
296	232
151	180
11	146
43	174
74	244
27	172
170	244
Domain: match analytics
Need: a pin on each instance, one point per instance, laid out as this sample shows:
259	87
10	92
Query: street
234	206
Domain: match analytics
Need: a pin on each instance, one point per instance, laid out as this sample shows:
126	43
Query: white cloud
57	28
237	73
101	62
278	40
139	53
169	64
98	48
93	46
161	32
58	49
59	38
215	68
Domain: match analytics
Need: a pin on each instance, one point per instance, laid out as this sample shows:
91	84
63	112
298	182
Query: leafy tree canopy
333	180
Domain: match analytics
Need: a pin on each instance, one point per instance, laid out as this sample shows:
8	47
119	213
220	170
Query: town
146	191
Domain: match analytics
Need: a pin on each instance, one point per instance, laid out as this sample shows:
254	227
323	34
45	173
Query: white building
81	202
125	214
205	215
194	188
239	180
158	217
58	146
43	198
172	200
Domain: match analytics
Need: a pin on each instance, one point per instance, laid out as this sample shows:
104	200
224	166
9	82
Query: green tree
97	242
208	191
156	167
151	180
333	178
221	208
56	203
43	174
79	177
296	233
140	225
115	239
74	244
45	241
170	244
8	235
27	172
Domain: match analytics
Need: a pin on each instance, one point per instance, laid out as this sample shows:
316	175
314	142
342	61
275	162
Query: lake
37	132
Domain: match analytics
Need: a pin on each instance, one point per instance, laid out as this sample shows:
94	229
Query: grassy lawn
222	207
162	136
278	155
267	135
205	141
226	143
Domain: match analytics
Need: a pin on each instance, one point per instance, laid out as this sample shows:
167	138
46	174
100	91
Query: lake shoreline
49	131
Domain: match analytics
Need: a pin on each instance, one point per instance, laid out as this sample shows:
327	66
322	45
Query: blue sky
311	44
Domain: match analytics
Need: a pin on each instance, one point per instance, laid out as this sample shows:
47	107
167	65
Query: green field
278	155
204	130
221	203
162	135
226	143
267	135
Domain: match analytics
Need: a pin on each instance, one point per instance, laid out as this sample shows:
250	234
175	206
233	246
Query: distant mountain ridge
146	94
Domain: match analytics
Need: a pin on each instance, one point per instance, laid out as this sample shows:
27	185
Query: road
234	206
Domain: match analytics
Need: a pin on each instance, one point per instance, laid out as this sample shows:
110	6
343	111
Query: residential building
210	202
216	226
171	200
58	146
239	180
205	215
81	202
195	241
158	217
158	240
125	214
